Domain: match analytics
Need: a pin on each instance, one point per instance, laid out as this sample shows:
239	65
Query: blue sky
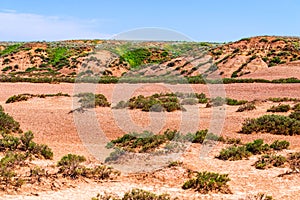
211	20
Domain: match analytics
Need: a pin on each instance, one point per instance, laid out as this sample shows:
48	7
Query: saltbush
280	108
206	182
274	124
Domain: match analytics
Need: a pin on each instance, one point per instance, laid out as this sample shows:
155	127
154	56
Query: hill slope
85	58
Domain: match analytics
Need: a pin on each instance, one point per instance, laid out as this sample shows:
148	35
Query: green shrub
257	147
17	98
280	145
234	153
90	100
267	161
10	49
233	141
157	103
246	107
25	97
7	123
206	182
274	124
9	142
234	102
69	165
296	107
295	115
135	194
252	148
282	99
279	108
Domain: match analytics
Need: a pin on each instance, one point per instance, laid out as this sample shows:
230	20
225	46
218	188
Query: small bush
90	100
234	102
7	123
257	147
234	153
267	161
246	107
279	108
206	182
280	145
69	165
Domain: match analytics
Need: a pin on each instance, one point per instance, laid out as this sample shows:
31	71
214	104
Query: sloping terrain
253	54
85	58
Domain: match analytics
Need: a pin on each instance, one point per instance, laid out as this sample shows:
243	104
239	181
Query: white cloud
16	26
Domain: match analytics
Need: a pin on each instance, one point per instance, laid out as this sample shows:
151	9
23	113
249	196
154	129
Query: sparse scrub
256	147
206	182
90	100
280	108
280	145
267	161
135	194
26	96
246	107
274	124
234	153
7	123
70	166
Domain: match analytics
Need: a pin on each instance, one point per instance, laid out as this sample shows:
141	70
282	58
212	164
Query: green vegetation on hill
10	49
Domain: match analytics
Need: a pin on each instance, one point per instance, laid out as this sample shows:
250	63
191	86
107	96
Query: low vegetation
274	124
256	147
219	101
70	166
147	142
282	99
280	108
268	161
90	100
246	107
26	96
135	194
206	182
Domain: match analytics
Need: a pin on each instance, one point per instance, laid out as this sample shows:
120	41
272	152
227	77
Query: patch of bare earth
53	125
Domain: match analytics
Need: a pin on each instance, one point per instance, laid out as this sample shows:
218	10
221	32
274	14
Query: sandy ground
87	133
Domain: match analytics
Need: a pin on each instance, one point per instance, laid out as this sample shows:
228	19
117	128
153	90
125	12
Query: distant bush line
170	80
26	96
